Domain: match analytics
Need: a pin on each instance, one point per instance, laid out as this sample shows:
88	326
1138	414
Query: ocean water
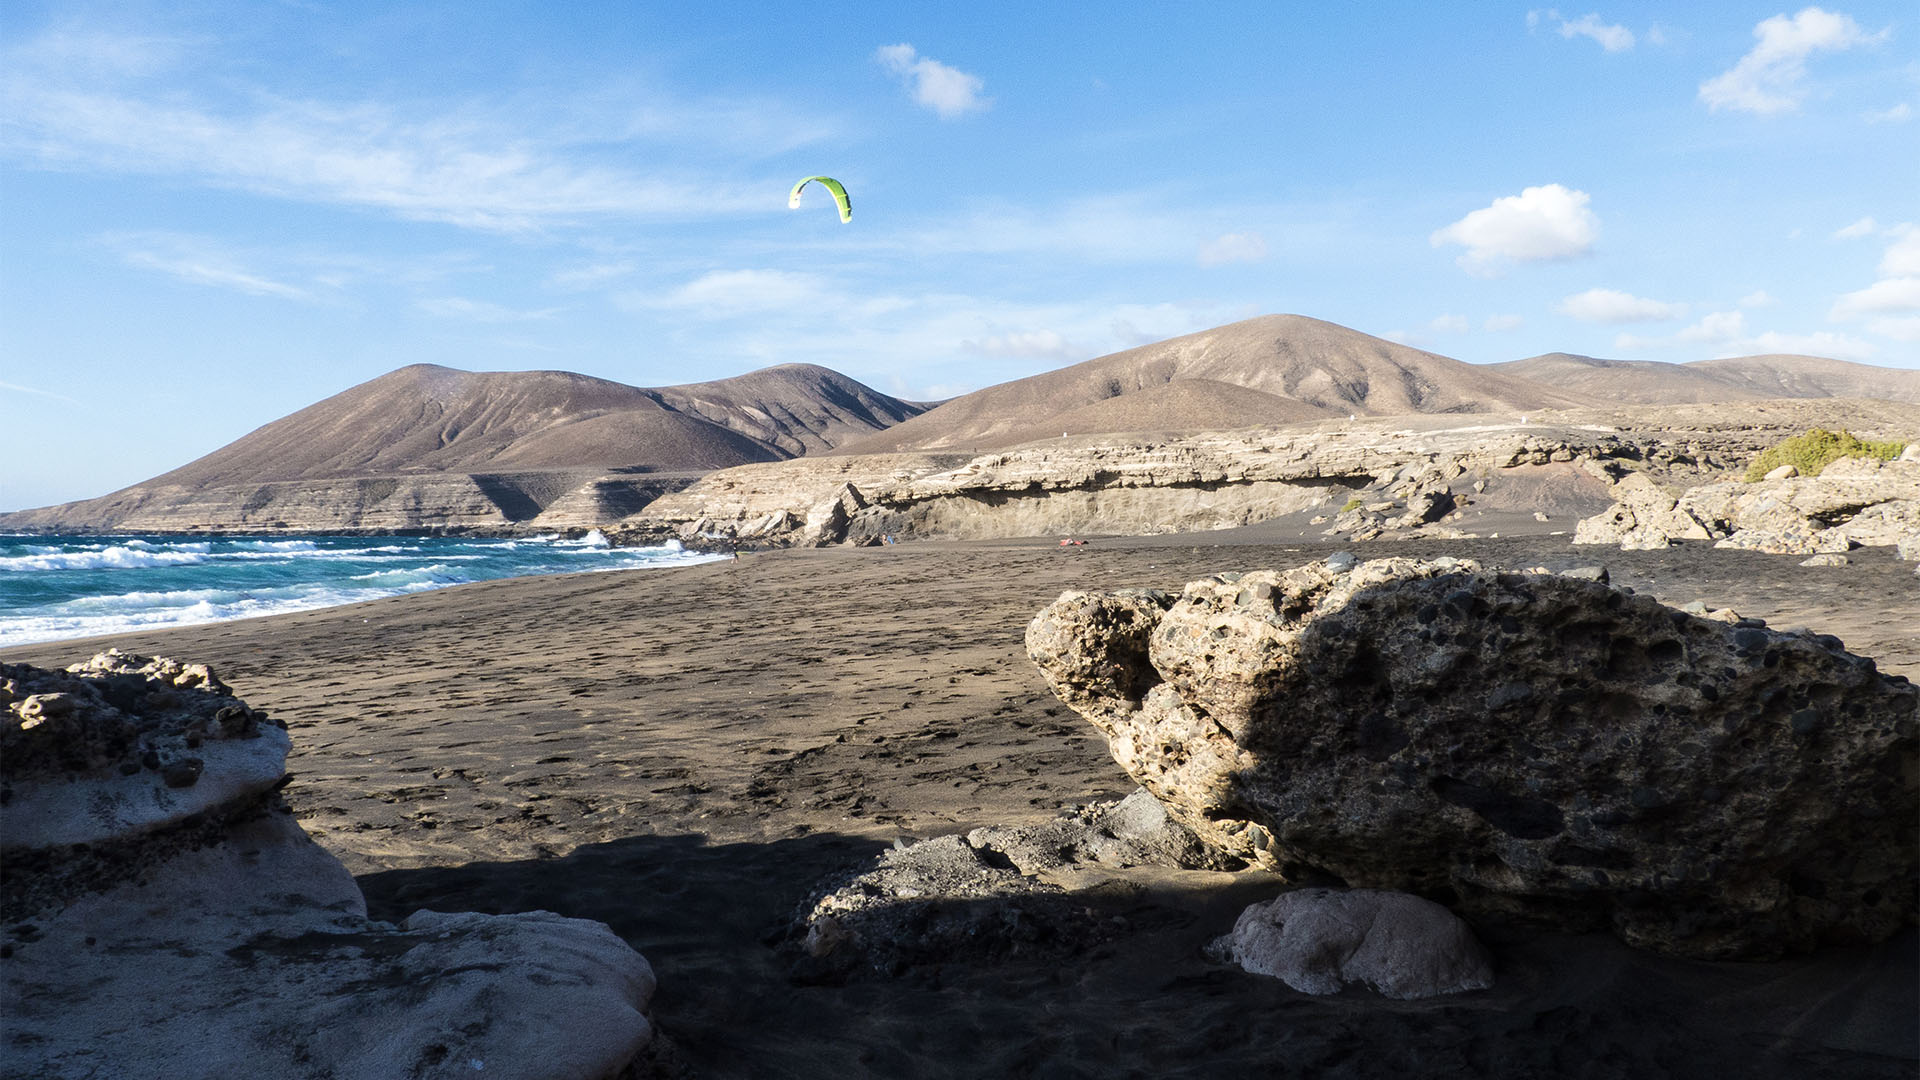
56	587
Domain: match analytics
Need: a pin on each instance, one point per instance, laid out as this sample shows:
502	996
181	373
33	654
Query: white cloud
1045	344
1611	37
1232	248
472	163
946	90
1864	227
1614	306
1885	296
725	293
1499	324
1904	328
1898	114
1819	343
1903	255
1758	298
1450	324
459	307
1724	333
1540	223
1716	326
1768	79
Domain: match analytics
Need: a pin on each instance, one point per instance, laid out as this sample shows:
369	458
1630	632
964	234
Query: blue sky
215	214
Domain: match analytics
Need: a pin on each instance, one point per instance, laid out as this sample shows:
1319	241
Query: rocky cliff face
1394	478
1359	479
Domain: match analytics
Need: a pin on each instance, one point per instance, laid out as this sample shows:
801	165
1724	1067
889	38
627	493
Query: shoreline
685	756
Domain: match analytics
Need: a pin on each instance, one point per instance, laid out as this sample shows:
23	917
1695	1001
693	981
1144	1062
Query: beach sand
684	754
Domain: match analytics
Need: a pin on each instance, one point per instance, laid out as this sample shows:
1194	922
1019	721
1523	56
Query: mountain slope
1298	368
1745	378
797	408
426	421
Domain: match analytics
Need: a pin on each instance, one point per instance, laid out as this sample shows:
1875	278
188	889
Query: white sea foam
117	557
97	586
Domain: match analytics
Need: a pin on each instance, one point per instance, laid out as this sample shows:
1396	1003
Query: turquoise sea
55	587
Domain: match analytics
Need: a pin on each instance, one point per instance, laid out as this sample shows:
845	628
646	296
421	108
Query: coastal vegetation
1817	449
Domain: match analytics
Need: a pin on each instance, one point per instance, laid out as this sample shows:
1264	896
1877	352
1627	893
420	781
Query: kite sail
839	196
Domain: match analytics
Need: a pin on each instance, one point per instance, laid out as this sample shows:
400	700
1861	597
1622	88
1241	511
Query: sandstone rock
1643	517
1533	745
1321	941
1886	524
101	750
1792	538
198	931
1828	559
1782	473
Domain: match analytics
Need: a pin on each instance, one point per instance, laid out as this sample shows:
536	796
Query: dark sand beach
685	754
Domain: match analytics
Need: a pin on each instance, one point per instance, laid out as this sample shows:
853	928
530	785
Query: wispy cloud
16	388
1043	344
1898	114
946	90
478	164
1232	248
1610	36
482	311
1863	227
199	261
1725	333
1770	78
587	277
1541	223
1614	306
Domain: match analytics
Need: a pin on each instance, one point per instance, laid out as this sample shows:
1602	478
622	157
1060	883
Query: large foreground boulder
167	917
1513	744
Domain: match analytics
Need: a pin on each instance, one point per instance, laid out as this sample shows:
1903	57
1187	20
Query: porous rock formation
167	917
1854	502
1321	941
1520	745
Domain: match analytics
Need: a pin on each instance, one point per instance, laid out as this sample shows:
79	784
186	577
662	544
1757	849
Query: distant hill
1745	378
426	420
1274	369
794	408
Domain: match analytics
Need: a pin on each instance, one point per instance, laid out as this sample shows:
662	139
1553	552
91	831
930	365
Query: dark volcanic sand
684	754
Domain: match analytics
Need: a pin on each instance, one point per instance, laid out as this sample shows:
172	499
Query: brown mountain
1744	378
504	444
795	408
1270	370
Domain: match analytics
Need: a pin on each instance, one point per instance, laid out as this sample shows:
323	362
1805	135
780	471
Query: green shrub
1817	449
1352	504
